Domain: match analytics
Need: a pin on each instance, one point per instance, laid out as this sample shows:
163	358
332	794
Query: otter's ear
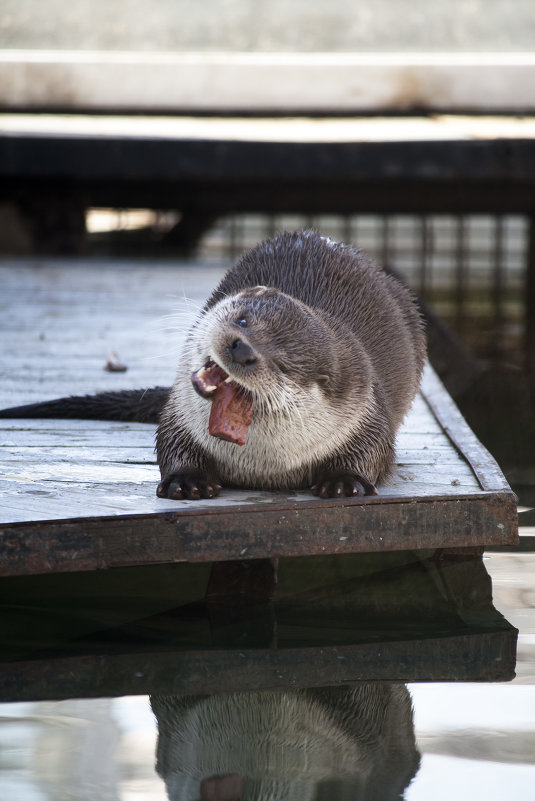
323	381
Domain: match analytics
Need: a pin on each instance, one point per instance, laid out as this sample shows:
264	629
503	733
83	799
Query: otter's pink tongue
231	414
232	408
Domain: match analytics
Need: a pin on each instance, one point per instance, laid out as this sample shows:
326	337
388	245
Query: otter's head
261	355
265	341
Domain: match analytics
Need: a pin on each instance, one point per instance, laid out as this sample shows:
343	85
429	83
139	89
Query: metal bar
271	228
193	160
498	288
425	256
529	345
347	229
386	243
461	273
233	245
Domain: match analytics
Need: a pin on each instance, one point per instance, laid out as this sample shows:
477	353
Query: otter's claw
343	485
187	487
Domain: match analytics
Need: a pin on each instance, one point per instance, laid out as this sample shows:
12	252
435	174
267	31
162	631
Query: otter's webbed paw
187	486
343	485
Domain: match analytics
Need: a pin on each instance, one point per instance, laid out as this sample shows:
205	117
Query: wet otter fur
329	350
322	353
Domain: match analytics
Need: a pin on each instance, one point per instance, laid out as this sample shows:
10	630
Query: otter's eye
242	323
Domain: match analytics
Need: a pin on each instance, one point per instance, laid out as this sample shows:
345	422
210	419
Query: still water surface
464	739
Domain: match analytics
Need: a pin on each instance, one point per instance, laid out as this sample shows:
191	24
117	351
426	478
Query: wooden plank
106	456
80	495
461	435
62	319
66	469
255	531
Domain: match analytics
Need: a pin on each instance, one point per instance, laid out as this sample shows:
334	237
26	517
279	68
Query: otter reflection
325	744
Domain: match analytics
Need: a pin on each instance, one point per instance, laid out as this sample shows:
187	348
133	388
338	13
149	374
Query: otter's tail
134	405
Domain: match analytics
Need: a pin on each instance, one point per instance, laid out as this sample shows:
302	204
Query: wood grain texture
80	495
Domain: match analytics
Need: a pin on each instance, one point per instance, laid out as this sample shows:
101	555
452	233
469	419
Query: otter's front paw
343	485
190	486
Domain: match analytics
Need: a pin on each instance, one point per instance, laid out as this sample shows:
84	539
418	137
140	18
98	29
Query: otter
324	354
296	375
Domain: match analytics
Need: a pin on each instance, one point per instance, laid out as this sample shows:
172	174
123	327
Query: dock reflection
329	621
294	690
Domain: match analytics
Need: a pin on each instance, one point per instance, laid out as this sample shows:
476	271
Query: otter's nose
241	352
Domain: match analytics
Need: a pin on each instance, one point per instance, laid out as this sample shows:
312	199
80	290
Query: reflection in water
363	624
325	744
399	618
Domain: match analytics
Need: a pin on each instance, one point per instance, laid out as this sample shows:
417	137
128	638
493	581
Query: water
274	733
472	738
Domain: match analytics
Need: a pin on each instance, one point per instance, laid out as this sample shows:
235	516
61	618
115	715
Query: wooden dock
79	495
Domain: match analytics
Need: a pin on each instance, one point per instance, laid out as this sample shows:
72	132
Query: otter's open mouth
232	406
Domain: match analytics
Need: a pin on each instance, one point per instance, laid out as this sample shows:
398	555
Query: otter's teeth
207	379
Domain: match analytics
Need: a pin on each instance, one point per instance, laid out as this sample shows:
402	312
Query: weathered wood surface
79	495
